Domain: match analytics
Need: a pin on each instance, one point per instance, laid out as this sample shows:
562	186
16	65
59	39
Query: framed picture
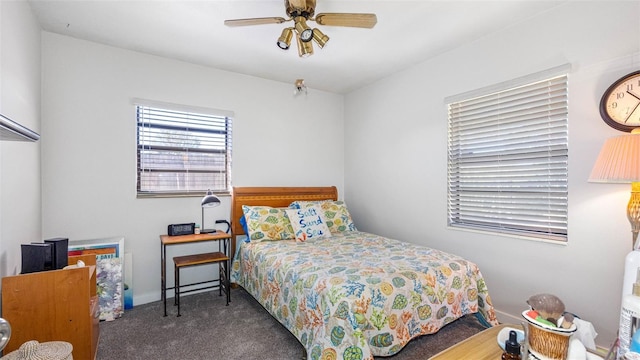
110	272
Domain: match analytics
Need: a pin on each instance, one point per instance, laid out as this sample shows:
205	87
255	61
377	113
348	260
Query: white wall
396	185
20	214
89	144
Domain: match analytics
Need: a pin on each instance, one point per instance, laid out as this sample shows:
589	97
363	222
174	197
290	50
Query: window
182	150
508	156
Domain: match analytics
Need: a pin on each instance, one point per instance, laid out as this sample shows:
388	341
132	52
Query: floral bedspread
359	295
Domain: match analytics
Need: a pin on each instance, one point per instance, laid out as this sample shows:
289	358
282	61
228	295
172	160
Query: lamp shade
303	30
619	160
304	48
284	41
210	200
320	38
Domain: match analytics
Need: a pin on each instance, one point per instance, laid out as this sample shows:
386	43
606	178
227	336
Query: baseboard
505	318
146	298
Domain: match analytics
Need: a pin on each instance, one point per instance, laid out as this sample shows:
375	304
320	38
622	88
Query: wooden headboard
274	197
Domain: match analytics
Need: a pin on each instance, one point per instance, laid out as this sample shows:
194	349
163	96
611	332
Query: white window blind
508	157
182	151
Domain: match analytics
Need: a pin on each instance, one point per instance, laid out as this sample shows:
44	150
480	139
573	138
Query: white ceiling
407	33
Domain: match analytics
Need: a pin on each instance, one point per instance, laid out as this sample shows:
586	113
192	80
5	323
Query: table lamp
208	201
619	162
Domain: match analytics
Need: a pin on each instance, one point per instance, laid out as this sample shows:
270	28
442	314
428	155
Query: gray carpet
208	329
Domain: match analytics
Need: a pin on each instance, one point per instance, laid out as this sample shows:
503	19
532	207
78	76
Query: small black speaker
60	257
48	255
34	257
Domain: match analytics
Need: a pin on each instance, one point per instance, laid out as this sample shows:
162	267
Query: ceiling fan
301	11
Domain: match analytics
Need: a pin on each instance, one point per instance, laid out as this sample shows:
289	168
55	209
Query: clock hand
631	112
632	94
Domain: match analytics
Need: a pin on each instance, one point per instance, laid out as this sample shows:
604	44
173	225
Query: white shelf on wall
12	131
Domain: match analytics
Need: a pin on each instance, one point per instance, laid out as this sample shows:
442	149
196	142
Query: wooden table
481	346
166	240
484	346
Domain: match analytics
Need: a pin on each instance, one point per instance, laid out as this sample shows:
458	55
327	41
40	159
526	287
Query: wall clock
620	104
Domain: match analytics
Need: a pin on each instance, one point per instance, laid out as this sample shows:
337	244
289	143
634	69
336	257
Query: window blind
508	160
182	152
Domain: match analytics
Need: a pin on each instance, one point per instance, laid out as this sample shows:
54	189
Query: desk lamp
208	201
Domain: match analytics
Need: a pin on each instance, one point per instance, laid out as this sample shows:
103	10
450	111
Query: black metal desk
166	240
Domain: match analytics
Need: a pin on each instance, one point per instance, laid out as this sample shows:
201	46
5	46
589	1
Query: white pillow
308	223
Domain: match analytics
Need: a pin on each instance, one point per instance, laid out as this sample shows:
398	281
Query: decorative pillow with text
308	223
335	213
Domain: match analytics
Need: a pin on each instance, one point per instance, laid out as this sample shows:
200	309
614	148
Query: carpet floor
208	329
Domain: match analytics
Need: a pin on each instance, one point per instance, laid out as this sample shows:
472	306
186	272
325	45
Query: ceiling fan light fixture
284	41
320	38
300	12
301	27
300	87
304	48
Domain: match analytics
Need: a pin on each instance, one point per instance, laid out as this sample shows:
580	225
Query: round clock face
620	104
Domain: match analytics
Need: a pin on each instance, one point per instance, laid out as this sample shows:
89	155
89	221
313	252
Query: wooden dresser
55	305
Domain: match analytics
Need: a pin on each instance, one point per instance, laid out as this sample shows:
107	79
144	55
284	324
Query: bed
346	294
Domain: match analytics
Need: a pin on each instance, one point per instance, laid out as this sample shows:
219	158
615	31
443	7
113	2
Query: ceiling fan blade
255	21
347	19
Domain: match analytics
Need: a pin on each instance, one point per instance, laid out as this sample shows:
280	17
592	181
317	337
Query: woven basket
34	350
548	343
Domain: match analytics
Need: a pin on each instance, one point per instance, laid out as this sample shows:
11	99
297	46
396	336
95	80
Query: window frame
186	119
496	218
